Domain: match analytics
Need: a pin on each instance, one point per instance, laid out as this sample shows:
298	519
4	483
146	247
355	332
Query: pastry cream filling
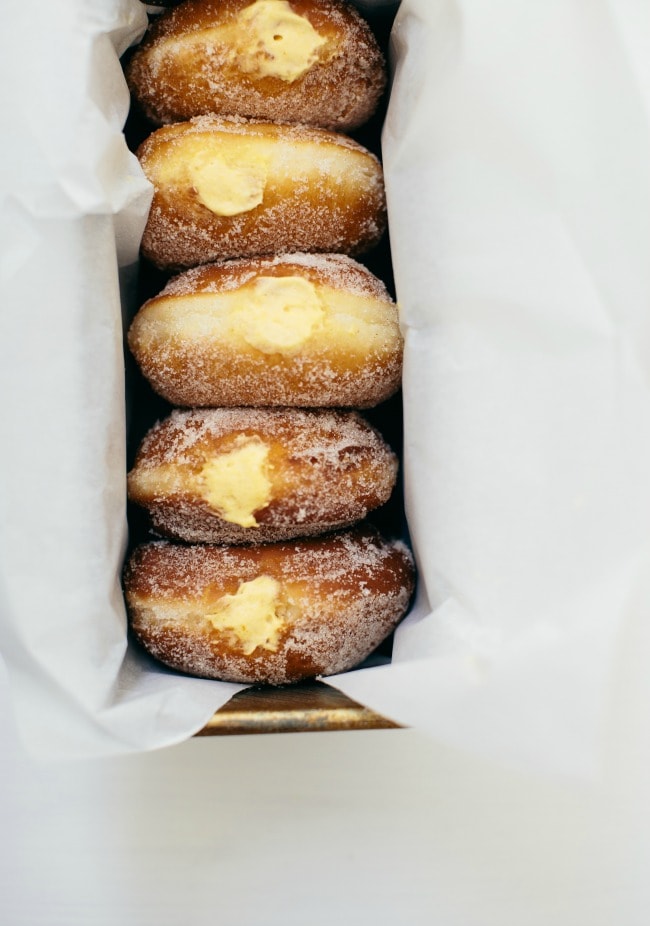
353	323
273	41
251	614
236	483
230	170
278	314
228	186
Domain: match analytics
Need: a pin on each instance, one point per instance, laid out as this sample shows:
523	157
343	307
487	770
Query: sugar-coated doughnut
226	187
271	613
308	330
310	61
248	475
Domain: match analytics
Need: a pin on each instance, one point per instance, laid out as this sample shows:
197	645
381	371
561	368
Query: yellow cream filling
231	171
278	314
266	39
273	41
355	324
236	483
251	614
227	173
228	185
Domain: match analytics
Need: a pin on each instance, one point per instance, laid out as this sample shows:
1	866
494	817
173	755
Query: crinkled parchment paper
73	206
517	159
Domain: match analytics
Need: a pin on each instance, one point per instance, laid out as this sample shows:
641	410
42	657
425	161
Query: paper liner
74	203
516	157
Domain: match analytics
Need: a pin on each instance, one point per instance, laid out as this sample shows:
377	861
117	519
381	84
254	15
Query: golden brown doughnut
272	613
309	61
247	475
225	187
297	329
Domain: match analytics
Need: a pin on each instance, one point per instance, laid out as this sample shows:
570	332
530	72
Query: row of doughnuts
267	339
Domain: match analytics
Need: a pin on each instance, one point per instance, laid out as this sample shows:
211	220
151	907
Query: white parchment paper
517	161
516	154
73	204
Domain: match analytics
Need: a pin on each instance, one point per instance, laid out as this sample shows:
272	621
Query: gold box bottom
308	707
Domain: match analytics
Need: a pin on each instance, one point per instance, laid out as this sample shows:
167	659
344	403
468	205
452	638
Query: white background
376	827
392	827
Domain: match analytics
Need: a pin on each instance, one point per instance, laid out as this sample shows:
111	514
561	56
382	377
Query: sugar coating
311	434
342	594
175	77
327	470
336	270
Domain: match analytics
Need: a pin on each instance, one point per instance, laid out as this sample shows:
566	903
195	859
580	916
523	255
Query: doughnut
270	613
227	187
247	475
309	61
309	330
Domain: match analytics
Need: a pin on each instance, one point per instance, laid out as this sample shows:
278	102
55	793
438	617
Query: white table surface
377	827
